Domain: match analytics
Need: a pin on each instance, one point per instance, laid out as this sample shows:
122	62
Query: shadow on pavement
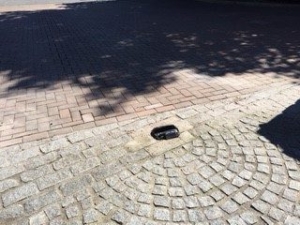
284	131
132	47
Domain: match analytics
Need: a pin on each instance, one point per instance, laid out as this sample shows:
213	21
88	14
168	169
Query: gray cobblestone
297	210
145	198
79	136
196	215
98	186
58	221
130	194
213	212
120	187
269	197
261	178
279	179
104	207
55	145
134	220
292	220
25	155
175	192
230	206
19	193
148	165
81	167
217	195
118	199
100	173
145	176
10	171
174	182
191	168
162	214
275	188
53	211
112	181
159	190
41	160
206	172
53	178
191	190
228	189
206	201
261	206
36	203
217	167
12	212
38	219
286	205
87	203
91	215
294	175
241	198
295	185
161	201
257	185
178	203
145	188
67	201
144	210
250	192
124	174
112	155
131	207
179	216
228	174
137	156
249	217
7	184
31	175
72	211
262	159
106	193
205	186
291	195
245	174
191	202
236	220
81	195
291	165
217	180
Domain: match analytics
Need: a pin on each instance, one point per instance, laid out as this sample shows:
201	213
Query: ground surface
236	162
82	85
89	64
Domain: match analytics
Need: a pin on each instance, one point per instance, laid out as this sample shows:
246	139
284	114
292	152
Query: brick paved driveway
96	63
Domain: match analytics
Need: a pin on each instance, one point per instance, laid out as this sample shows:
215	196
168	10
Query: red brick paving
65	70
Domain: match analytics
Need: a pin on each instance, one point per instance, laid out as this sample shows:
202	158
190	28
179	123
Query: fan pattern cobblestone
220	171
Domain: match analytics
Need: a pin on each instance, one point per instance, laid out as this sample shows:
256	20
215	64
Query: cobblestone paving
220	170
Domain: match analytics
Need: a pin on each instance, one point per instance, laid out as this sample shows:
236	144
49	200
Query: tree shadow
122	48
284	131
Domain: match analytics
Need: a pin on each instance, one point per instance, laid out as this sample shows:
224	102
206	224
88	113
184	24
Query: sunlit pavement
82	85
